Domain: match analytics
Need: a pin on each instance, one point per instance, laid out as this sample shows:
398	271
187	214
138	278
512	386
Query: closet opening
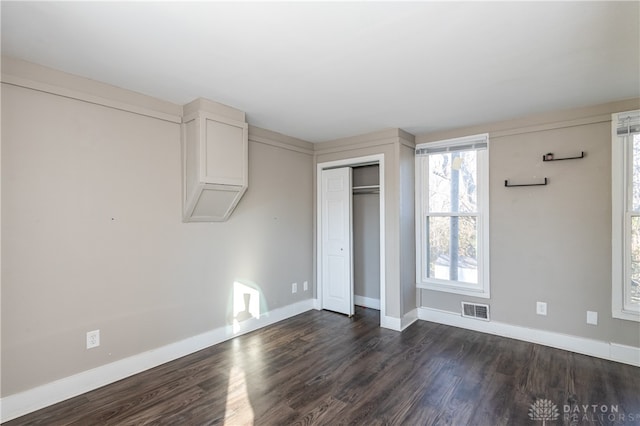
366	235
350	235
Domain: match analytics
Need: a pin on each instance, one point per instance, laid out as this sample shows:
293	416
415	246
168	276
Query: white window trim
620	221
482	289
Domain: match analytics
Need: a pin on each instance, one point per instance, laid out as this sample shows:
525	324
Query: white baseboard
399	324
626	354
391	323
317	305
367	302
409	318
22	403
600	349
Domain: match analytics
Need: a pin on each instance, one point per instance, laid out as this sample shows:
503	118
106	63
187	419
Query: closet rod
366	189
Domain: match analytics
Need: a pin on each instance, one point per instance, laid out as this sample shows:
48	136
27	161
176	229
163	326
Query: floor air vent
475	310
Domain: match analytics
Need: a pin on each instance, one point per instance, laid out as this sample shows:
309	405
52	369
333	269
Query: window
452	216
625	213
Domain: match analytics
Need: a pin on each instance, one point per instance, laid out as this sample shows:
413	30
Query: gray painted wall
407	228
550	243
92	237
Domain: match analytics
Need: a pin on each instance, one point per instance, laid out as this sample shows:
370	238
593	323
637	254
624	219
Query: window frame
621	216
482	288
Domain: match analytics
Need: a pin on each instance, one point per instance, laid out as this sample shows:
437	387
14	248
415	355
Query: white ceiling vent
475	310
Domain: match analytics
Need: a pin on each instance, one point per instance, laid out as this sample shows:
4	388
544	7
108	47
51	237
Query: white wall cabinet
215	160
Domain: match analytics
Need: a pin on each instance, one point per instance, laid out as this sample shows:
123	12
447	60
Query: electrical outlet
592	318
93	339
541	308
294	288
305	285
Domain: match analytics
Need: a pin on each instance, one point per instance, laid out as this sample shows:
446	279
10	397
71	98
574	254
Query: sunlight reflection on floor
238	410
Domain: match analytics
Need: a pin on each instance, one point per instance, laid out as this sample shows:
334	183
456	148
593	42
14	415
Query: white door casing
337	259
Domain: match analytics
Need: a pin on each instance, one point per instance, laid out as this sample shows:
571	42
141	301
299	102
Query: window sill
485	294
626	315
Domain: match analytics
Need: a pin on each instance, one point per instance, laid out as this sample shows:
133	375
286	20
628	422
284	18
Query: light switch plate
93	339
541	308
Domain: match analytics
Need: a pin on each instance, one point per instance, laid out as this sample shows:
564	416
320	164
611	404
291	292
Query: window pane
452	248
452	182
635	194
633	295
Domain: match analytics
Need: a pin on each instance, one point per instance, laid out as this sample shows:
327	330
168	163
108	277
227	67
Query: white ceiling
320	71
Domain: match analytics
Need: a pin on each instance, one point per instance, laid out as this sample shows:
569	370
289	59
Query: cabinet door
225	152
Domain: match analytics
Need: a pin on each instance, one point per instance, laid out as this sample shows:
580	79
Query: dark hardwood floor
325	368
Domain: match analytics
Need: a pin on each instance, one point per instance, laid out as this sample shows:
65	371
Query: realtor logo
544	410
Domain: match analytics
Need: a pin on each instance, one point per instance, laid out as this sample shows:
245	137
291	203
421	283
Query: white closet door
337	269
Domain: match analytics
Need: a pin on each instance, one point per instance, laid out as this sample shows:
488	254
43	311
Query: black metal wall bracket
506	183
549	157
